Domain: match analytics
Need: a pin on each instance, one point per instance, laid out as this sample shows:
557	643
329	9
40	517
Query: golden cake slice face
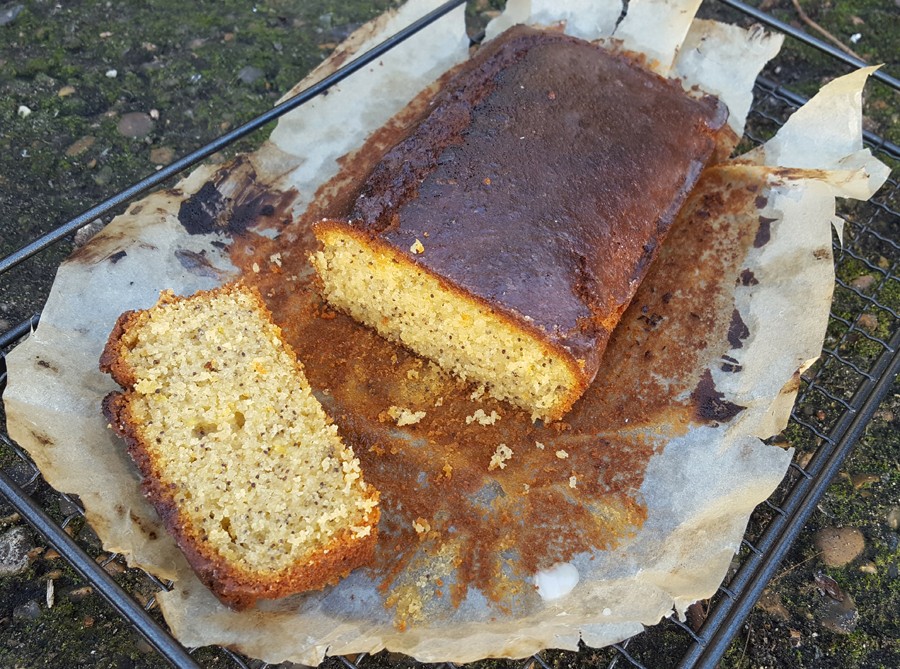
521	214
235	452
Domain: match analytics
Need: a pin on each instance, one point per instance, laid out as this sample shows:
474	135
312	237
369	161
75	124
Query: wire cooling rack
849	380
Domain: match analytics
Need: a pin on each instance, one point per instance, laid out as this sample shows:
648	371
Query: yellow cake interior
228	418
383	289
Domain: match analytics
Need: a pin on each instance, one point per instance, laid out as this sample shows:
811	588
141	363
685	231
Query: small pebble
15	548
892	541
9	13
135	124
104	176
868	568
82	236
829	586
142	646
868	322
863	282
770	602
80	593
859	480
79	146
114	567
893	518
162	155
66	91
30	610
14	517
839	545
840	617
250	74
154	114
24	111
112	74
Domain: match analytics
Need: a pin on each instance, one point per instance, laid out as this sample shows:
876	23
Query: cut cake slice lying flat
235	453
506	235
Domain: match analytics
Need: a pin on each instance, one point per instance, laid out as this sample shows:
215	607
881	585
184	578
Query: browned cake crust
542	183
233	583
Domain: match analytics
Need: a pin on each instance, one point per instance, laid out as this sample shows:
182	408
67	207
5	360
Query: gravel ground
94	95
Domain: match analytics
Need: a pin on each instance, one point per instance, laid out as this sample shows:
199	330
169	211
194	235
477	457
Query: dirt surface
94	95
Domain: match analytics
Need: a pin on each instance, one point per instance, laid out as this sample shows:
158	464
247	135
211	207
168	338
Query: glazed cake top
542	180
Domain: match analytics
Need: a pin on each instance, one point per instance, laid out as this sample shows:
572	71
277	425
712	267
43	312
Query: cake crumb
526	488
573	481
539	445
478	393
448	471
562	455
255	268
501	455
412	374
275	259
421	526
417	247
482	418
439	402
405	416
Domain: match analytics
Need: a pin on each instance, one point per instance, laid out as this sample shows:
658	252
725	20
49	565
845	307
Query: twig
827	35
746	644
790	569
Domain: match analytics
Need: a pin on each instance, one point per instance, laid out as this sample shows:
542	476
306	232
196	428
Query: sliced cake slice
237	456
506	235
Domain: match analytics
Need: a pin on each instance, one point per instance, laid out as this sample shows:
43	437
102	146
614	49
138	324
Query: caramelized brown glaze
542	181
486	529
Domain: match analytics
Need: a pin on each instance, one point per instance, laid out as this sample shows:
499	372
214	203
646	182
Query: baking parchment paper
763	269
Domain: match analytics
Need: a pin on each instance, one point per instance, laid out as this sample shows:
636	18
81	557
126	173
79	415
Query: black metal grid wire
837	399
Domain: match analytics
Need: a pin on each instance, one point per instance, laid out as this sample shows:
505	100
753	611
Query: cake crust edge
237	588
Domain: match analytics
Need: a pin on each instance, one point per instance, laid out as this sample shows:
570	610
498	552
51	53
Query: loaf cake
506	234
234	451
